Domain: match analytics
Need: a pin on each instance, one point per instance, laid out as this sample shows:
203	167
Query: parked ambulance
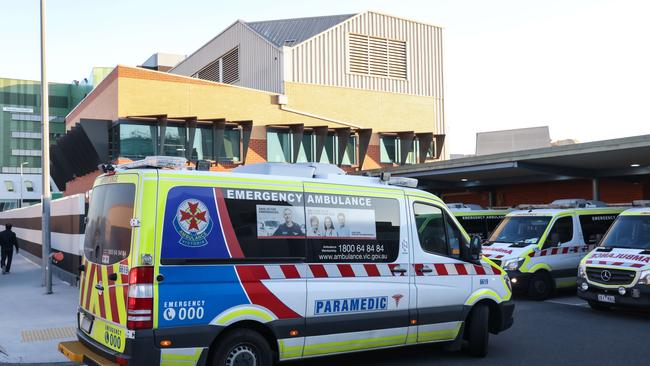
477	220
617	273
541	246
275	262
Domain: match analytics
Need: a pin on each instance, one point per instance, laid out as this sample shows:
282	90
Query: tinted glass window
594	227
454	237
629	232
203	144
524	230
278	146
267	224
492	222
108	232
174	141
474	225
431	228
357	229
562	232
137	141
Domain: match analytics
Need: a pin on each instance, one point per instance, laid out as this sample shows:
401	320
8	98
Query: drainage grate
47	334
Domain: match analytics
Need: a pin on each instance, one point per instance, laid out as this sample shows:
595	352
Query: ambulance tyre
477	331
541	286
243	347
598	306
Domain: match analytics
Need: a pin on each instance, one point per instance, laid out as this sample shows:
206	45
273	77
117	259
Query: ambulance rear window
108	232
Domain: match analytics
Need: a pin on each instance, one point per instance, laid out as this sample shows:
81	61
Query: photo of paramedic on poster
341	223
280	222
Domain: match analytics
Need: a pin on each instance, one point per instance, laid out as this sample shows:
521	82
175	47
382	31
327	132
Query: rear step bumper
76	351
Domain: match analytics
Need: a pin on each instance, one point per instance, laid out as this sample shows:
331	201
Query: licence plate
85	323
606	298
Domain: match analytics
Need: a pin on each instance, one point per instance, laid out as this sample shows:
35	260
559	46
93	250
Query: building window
390	150
25	152
29	186
225	69
231	148
203	144
137	141
9	186
175	137
280	148
376	56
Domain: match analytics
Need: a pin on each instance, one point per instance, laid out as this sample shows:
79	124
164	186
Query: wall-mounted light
635	165
464	180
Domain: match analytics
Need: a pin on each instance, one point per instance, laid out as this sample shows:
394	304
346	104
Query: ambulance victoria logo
192	222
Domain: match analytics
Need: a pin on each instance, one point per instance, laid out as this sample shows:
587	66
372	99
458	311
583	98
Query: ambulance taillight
139	309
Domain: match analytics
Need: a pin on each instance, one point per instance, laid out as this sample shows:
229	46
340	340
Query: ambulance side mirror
474	252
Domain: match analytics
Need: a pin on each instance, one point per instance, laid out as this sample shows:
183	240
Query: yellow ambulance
274	262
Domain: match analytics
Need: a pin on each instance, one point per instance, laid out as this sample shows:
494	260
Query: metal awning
599	159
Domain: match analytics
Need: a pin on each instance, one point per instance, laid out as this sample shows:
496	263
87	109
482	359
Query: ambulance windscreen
629	232
520	230
108	232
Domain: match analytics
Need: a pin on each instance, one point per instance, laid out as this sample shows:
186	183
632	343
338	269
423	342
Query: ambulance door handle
398	270
112	277
160	278
426	269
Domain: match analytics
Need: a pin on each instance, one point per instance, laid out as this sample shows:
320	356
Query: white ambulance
541	246
617	273
275	262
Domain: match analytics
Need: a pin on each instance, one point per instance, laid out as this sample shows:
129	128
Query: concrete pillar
595	189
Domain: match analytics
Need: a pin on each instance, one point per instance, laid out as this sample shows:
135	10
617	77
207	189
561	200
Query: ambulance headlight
644	279
513	264
582	271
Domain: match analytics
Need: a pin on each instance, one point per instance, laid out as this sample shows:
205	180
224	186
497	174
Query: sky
581	67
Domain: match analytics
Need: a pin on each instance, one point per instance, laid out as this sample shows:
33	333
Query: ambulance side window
271	225
561	232
594	227
352	229
430	224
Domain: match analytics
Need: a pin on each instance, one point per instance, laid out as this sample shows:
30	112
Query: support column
297	132
218	132
595	189
490	198
189	141
162	122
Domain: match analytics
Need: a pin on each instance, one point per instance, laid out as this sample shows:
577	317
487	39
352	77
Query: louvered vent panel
231	66
210	72
358	57
377	56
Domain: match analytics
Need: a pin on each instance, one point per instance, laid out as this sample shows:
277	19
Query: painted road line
570	302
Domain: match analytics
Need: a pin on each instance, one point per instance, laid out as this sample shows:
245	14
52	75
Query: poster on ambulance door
280	222
340	223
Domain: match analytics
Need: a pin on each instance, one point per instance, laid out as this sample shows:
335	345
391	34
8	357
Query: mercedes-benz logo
606	275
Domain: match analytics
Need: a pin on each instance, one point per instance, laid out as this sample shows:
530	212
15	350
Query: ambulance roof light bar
156	162
641	203
386	178
305	170
563	204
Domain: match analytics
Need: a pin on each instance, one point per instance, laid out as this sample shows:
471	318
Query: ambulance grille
613	277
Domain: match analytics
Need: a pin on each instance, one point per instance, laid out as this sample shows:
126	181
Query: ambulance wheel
598	306
243	347
477	331
541	286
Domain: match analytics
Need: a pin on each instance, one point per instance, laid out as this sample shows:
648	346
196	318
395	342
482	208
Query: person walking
7	243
